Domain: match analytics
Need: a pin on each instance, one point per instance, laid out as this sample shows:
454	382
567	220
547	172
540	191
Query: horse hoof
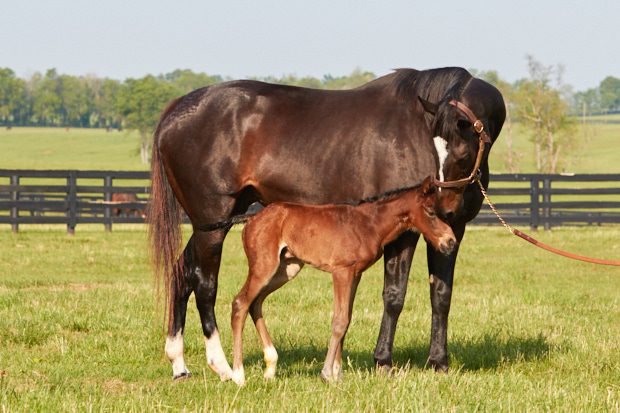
384	370
182	376
330	378
238	377
439	366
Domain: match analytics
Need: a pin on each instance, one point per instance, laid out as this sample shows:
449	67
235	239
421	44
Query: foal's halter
483	139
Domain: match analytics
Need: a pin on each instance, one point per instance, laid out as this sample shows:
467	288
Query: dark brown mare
285	236
221	148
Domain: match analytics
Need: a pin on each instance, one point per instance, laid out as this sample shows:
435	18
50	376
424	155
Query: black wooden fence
76	197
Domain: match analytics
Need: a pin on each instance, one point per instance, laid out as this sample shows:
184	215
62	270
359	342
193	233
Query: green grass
593	151
59	148
80	331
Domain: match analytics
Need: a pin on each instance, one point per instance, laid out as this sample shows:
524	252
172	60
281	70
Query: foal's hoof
330	378
182	376
238	376
269	374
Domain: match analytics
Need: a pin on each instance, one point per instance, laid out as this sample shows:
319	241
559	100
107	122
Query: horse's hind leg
337	367
287	270
263	267
180	290
208	253
343	297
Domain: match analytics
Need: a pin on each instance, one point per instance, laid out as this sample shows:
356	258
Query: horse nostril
448	246
449	216
451	244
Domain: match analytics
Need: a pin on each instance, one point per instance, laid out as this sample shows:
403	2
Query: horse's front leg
397	261
441	276
180	290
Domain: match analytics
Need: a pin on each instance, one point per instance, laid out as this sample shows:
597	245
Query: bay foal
342	239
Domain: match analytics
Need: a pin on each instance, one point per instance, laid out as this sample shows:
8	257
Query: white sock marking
441	146
271	360
174	351
238	376
216	359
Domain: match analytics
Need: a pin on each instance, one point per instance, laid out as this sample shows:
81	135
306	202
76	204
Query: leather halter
483	139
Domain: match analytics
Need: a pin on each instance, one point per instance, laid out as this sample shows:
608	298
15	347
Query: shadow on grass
483	353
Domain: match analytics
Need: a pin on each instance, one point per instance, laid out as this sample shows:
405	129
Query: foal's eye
431	213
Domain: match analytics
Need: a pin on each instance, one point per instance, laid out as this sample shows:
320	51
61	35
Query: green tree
106	106
140	102
184	80
512	157
609	90
46	101
12	97
355	79
584	103
76	101
540	108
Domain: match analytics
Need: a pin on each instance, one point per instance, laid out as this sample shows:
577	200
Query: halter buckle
478	126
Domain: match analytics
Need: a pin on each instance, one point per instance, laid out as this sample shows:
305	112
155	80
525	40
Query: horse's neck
391	216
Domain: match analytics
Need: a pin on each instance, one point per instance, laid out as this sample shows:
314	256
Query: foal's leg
441	276
180	290
208	252
337	368
397	261
343	296
262	269
287	270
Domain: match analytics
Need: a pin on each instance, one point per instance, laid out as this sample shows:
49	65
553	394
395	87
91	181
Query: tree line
540	102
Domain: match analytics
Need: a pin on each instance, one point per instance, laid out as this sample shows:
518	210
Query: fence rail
73	197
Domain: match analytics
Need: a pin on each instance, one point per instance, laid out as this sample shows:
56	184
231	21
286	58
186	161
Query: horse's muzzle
447	245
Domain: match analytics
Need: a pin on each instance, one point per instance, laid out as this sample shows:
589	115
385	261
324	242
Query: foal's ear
428	186
429	107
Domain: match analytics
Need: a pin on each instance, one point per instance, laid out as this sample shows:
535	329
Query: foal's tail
164	218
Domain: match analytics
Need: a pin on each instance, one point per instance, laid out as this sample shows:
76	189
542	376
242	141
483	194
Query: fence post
14	209
72	200
534	211
107	197
547	200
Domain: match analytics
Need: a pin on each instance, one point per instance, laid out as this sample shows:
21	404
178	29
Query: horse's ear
429	107
428	186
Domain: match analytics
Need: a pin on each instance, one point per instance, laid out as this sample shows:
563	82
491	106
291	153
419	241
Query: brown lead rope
538	243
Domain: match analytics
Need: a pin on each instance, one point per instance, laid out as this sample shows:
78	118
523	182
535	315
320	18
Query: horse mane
438	86
385	196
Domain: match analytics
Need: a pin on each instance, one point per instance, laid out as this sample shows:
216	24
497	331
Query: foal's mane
385	196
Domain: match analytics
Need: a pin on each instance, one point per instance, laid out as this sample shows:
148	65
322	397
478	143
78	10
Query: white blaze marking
174	351
216	358
441	146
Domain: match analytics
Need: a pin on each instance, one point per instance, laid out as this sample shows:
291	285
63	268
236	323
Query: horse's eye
430	212
463	124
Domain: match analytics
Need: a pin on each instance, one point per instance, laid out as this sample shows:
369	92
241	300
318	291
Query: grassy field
80	329
528	331
593	150
57	148
60	148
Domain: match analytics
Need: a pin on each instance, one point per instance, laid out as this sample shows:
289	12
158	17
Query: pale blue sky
130	38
